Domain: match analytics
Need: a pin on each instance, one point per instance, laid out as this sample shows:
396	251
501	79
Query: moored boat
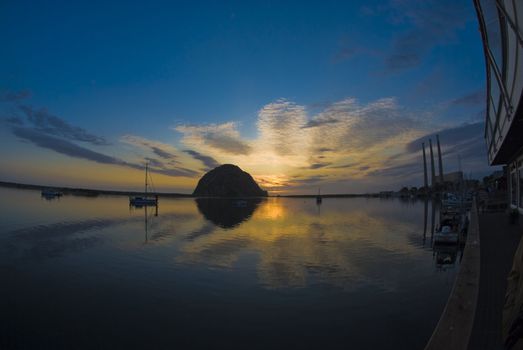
51	193
446	235
448	230
141	201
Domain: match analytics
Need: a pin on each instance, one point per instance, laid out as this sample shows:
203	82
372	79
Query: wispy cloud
363	130
50	132
13	96
323	149
319	165
209	162
321	120
71	149
429	24
14	121
50	124
63	146
280	125
348	48
346	139
224	137
464	140
344	166
451	136
404	171
162	150
476	98
168	162
176	171
308	180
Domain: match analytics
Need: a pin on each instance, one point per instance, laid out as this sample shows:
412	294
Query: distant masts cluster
433	168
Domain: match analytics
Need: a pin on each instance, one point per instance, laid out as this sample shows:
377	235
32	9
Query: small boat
457	200
141	201
446	235
51	193
318	197
448	232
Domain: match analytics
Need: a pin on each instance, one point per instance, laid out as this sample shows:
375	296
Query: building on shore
501	26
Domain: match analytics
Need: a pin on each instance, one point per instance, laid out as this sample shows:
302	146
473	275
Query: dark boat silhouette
140	201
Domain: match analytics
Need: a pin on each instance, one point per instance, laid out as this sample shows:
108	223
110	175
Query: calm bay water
91	273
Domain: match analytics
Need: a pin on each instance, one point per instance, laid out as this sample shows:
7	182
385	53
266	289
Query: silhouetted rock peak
228	180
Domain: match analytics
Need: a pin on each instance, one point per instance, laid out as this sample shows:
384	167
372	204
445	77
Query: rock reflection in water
227	212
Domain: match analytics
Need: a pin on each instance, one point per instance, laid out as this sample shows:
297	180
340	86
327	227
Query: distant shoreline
86	191
96	192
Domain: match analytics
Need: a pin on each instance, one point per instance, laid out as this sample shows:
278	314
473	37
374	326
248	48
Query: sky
300	94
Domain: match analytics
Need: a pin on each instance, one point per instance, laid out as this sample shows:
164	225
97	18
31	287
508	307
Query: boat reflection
147	213
227	212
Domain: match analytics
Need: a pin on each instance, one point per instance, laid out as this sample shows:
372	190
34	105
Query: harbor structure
433	170
501	27
425	177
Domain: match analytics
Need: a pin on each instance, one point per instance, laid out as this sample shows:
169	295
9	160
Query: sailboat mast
146	165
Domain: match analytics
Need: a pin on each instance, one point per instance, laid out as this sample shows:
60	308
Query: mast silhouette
425	177
433	171
146	168
440	161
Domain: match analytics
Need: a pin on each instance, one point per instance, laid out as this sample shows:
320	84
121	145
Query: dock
499	241
472	318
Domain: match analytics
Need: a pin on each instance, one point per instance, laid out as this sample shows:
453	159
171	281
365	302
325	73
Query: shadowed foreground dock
472	318
499	241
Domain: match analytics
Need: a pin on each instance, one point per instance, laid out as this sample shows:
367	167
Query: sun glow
272	209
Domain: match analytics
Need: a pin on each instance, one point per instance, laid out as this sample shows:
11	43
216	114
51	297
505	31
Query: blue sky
300	94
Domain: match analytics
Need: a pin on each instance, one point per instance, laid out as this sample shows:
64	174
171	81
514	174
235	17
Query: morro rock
228	181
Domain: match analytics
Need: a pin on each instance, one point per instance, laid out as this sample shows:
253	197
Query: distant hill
228	180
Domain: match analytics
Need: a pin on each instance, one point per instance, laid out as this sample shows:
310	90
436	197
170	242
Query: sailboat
49	193
140	201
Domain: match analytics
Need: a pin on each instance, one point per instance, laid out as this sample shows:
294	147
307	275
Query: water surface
277	273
